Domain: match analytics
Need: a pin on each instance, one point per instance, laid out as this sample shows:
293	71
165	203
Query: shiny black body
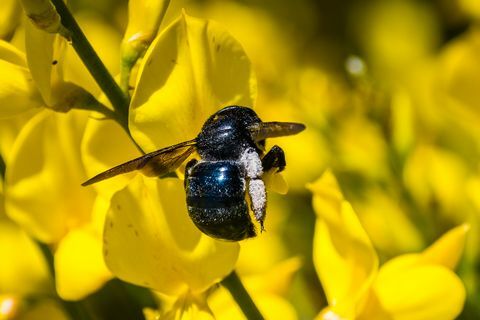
216	200
215	188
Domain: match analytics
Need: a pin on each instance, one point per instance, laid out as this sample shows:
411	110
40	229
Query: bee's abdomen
216	200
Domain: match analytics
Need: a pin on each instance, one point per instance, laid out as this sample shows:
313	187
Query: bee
231	148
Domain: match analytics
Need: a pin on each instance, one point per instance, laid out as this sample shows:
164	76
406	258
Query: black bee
231	147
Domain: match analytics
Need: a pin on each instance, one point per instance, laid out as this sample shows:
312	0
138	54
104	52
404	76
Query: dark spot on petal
111	224
149	62
173	61
136	233
130	225
105	252
54	62
118	207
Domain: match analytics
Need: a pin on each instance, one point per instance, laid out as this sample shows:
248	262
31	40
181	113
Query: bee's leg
250	160
258	199
275	158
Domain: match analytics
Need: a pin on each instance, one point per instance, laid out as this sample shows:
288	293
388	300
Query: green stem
93	63
235	286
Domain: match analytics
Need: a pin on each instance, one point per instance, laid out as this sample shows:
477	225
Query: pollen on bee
252	163
258	196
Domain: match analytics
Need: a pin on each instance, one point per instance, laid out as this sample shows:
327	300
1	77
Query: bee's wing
264	130
156	163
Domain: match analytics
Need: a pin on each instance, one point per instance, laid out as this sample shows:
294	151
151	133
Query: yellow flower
192	69
411	286
44	171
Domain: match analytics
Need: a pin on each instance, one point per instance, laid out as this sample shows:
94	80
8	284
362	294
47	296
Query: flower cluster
390	157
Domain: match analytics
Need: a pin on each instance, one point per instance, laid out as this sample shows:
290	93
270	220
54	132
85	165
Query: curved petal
45	53
149	240
10	53
421	292
9	17
192	69
447	250
79	266
23	269
343	255
17	90
43	176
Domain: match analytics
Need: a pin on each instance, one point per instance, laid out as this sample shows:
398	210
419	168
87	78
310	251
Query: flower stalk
235	286
93	63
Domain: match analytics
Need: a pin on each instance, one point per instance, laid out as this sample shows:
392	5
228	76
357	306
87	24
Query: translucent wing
264	130
156	163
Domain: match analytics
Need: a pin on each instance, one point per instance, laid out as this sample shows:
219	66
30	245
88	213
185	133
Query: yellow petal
144	18
9	130
45	56
343	255
43	176
420	292
9	17
17	90
471	7
23	269
447	250
192	69
79	266
151	241
327	197
10	53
